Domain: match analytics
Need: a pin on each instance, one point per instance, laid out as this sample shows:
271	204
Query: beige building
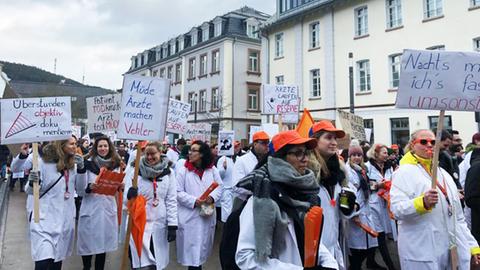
308	43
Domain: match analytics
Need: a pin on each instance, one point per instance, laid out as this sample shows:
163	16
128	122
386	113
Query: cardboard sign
35	119
77	131
226	140
198	132
144	108
253	130
177	116
352	124
108	182
280	99
103	113
439	80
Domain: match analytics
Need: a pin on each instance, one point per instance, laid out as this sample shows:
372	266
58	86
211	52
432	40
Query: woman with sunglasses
271	223
379	173
196	217
431	224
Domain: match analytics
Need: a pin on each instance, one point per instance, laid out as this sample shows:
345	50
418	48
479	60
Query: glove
172	233
132	193
79	162
89	188
33	177
347	201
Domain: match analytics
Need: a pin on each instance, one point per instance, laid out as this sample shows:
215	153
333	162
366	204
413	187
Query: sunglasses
425	141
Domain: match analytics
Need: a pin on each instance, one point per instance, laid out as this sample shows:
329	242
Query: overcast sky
98	37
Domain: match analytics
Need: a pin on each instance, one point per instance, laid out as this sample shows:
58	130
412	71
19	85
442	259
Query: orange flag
138	212
305	123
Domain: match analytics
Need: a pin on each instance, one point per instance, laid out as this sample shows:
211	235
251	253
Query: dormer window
205	31
252	28
181	43
172	48
194	37
217	26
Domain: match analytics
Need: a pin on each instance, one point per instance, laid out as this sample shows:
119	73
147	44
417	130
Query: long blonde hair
63	161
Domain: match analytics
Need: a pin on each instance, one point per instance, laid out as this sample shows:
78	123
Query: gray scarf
152	171
103	162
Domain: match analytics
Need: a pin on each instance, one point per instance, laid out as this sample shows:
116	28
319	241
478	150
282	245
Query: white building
307	43
215	67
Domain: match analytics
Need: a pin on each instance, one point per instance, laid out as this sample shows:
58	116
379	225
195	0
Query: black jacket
472	197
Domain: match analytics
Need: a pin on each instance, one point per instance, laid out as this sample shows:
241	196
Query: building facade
215	67
313	43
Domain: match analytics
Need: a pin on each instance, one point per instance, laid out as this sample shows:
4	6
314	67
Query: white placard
198	132
144	108
253	130
289	118
368	134
352	124
226	140
103	113
270	129
35	119
280	99
177	116
77	131
439	80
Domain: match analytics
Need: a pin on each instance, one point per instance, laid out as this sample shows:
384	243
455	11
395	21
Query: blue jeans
3	171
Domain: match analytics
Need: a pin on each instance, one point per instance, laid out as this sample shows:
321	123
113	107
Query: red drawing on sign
20	124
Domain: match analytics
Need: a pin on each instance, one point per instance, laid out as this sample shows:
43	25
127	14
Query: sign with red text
103	113
280	99
35	119
143	113
439	80
177	116
198	132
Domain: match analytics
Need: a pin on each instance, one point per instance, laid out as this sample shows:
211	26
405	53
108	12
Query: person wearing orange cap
246	163
331	174
272	220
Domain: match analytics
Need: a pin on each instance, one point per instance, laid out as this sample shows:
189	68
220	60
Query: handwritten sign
226	140
280	99
289	118
35	119
144	108
352	124
177	116
77	131
439	80
198	132
103	113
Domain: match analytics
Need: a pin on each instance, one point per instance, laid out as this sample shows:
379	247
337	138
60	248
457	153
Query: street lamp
350	77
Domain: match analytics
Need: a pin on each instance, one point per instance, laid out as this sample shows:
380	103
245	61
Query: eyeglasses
263	142
425	141
300	154
193	150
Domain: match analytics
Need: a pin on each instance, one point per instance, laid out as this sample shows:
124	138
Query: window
180	44
215	99
253	61
178	73
169	72
474	3
279	45
315	86
394	61
433	8
142	60
155	73
279	80
165	51
218	29
361	21
173	48
400	131
191	100
394	13
162	73
193	36
203	65
314	35
363	75
437	48
215	61
191	68
252	30
368	124
205	33
447	122
203	101
253	97
476	43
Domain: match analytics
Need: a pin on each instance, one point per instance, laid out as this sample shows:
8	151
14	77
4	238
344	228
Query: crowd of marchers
369	195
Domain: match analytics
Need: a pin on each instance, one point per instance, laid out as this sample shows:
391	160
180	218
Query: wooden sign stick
436	150
280	123
130	221
36	185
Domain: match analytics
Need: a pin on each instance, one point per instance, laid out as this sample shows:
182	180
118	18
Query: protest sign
144	108
103	113
77	131
35	119
439	80
226	139
270	129
177	116
280	99
198	132
253	130
352	124
288	118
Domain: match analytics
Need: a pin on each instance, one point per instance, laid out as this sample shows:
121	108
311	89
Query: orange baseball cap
394	146
143	144
326	125
261	135
291	137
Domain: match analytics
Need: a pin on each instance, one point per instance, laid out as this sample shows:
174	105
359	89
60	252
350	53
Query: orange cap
394	147
326	125
143	144
291	137
261	135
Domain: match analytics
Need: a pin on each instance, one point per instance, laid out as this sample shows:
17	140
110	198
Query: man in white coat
174	151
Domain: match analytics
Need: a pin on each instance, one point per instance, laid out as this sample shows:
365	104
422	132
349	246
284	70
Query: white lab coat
357	238
97	230
288	259
52	237
243	166
464	166
195	233
423	240
158	219
227	179
19	167
172	155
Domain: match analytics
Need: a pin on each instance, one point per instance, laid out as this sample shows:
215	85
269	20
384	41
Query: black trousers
382	246
48	264
99	261
22	181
